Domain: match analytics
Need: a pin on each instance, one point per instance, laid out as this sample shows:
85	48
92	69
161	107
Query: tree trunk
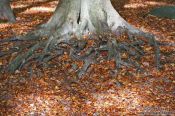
6	11
83	16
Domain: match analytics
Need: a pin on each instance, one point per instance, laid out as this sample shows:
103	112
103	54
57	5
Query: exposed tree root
127	52
6	11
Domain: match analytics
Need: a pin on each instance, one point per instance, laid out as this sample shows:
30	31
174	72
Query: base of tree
74	19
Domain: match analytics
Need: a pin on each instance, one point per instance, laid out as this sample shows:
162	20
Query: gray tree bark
6	11
83	16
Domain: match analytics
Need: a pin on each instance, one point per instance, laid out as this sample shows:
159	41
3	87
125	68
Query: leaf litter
56	90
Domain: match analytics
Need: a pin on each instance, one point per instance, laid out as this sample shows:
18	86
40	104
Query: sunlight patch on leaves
146	4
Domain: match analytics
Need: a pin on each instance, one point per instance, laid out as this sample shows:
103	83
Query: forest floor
57	91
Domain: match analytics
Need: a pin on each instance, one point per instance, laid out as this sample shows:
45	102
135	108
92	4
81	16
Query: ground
57	91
